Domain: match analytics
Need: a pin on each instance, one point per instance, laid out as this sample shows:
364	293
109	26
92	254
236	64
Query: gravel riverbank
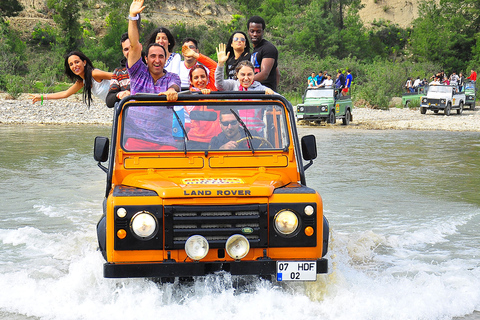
74	111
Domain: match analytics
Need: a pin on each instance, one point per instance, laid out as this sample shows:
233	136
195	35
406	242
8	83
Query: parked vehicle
470	94
442	97
325	104
181	211
410	99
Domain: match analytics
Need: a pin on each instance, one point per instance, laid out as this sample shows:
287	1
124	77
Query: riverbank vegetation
311	35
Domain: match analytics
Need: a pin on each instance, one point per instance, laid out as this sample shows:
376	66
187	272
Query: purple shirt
153	124
141	80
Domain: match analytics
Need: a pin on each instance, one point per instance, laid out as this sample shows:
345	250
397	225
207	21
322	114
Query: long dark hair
170	37
229	47
87	76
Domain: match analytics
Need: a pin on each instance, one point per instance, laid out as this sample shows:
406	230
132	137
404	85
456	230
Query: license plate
296	270
300	116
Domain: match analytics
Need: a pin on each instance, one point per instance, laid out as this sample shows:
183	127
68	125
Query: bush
43	35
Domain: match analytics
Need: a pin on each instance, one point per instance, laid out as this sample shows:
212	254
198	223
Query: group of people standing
160	70
324	79
440	78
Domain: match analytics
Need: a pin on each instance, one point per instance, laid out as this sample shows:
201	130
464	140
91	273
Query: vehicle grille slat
216	224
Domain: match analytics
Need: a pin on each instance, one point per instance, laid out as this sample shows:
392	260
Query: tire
423	110
407	104
460	108
472	106
436	111
331	118
346	119
447	109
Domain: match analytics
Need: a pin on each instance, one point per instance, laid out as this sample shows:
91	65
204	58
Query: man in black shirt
265	54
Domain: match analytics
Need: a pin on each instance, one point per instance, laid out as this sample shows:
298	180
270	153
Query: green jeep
412	99
470	94
325	104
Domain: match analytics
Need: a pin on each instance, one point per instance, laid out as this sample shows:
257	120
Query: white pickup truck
444	98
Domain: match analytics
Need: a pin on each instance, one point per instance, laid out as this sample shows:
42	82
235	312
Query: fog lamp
309	210
144	225
286	222
196	247
237	246
121	212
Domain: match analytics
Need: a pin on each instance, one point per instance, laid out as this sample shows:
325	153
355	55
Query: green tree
67	13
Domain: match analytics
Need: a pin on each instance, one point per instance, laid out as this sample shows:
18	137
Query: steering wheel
263	141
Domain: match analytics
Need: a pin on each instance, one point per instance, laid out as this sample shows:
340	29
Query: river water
403	207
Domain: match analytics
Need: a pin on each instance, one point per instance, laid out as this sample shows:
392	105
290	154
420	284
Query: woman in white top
164	37
80	69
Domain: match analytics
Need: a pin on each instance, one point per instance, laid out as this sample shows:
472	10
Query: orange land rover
209	183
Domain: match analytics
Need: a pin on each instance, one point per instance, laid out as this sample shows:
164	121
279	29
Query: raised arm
135	52
58	95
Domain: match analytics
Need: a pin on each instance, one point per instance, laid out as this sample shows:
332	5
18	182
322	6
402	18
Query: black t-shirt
231	64
266	50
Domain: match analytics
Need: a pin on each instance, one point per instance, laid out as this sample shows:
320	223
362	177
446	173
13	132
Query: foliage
67	13
10	8
12	57
43	35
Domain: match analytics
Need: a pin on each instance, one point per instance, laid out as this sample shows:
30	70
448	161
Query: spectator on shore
80	69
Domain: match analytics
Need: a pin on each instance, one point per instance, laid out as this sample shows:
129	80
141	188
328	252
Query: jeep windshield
319	93
440	89
252	125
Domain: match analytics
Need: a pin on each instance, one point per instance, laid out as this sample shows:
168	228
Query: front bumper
263	267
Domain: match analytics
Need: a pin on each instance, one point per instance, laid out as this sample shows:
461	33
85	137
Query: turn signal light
121	233
309	231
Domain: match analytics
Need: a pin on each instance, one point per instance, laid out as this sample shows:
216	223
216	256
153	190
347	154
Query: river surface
403	206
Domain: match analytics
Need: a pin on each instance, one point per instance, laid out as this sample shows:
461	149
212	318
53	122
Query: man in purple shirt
148	128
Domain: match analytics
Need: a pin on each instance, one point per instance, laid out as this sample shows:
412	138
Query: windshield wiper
247	132
185	136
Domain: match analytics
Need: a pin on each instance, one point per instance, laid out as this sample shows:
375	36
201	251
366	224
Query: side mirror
309	147
100	149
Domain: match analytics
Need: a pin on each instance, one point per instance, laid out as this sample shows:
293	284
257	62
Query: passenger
417	84
231	133
201	132
453	79
311	80
244	73
319	79
188	62
461	81
148	128
408	85
238	49
348	83
327	83
81	70
445	81
435	82
265	55
120	83
472	76
340	81
164	37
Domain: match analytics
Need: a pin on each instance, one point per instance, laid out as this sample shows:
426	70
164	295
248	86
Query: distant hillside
401	12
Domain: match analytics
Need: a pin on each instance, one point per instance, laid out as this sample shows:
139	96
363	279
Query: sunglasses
192	47
238	39
227	123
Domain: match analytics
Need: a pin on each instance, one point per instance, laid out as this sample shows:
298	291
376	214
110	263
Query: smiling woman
80	69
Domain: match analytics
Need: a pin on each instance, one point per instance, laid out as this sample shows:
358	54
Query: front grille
312	109
216	224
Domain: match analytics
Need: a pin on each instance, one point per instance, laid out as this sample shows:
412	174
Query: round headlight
237	246
286	222
196	247
302	109
144	225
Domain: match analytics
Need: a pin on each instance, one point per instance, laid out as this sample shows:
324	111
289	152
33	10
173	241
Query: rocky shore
74	111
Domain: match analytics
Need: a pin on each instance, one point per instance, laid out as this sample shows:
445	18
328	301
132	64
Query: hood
250	184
